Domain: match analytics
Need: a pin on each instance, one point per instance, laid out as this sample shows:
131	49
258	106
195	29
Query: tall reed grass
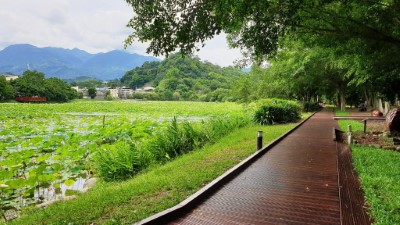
125	158
120	160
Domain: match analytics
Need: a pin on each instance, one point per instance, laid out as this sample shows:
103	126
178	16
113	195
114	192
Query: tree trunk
380	106
376	102
387	108
342	102
368	99
342	98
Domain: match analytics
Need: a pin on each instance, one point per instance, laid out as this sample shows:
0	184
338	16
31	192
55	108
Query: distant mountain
69	63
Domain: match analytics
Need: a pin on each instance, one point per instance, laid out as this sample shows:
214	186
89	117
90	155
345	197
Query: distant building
84	92
118	92
148	89
145	89
9	77
100	94
102	89
114	92
125	92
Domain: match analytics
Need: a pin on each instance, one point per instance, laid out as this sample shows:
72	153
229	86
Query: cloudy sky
91	25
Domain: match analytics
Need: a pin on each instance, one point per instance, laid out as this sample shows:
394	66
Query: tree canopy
346	44
92	92
34	83
257	26
6	90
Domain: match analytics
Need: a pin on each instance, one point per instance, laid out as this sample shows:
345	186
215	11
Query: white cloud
91	25
218	52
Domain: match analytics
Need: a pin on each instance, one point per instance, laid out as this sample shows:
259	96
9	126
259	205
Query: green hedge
311	106
270	111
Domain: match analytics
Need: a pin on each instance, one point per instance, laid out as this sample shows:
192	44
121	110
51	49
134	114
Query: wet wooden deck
295	182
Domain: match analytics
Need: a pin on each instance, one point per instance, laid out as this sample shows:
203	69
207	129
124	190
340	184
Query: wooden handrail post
365	126
349	137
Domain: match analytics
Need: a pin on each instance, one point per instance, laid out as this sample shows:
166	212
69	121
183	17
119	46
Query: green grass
355	125
158	188
339	112
380	178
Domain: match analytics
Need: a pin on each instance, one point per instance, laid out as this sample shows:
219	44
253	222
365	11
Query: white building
9	77
125	92
114	92
148	89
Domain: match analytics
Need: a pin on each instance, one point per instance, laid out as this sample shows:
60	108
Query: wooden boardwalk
295	182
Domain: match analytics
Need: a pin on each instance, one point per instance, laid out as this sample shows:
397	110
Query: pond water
59	191
37	151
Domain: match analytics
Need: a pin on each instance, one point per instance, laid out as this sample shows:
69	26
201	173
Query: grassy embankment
157	188
380	178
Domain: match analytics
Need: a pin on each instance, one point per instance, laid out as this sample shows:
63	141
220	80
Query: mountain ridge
69	63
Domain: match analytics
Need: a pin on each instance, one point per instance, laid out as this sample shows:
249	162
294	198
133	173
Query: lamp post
259	139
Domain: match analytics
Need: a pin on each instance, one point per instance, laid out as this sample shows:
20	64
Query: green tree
242	90
139	76
92	92
6	90
58	90
114	83
33	83
306	73
30	84
258	25
89	83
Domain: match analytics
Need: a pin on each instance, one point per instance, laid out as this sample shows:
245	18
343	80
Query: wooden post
349	137
365	125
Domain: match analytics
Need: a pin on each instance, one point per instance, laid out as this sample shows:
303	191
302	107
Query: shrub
146	96
120	160
269	111
311	106
109	98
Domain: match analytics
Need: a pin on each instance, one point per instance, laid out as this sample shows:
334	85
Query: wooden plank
295	182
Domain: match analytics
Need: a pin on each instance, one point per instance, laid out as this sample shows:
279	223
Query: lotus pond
46	149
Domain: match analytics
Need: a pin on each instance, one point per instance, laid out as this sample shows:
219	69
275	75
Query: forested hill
185	78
